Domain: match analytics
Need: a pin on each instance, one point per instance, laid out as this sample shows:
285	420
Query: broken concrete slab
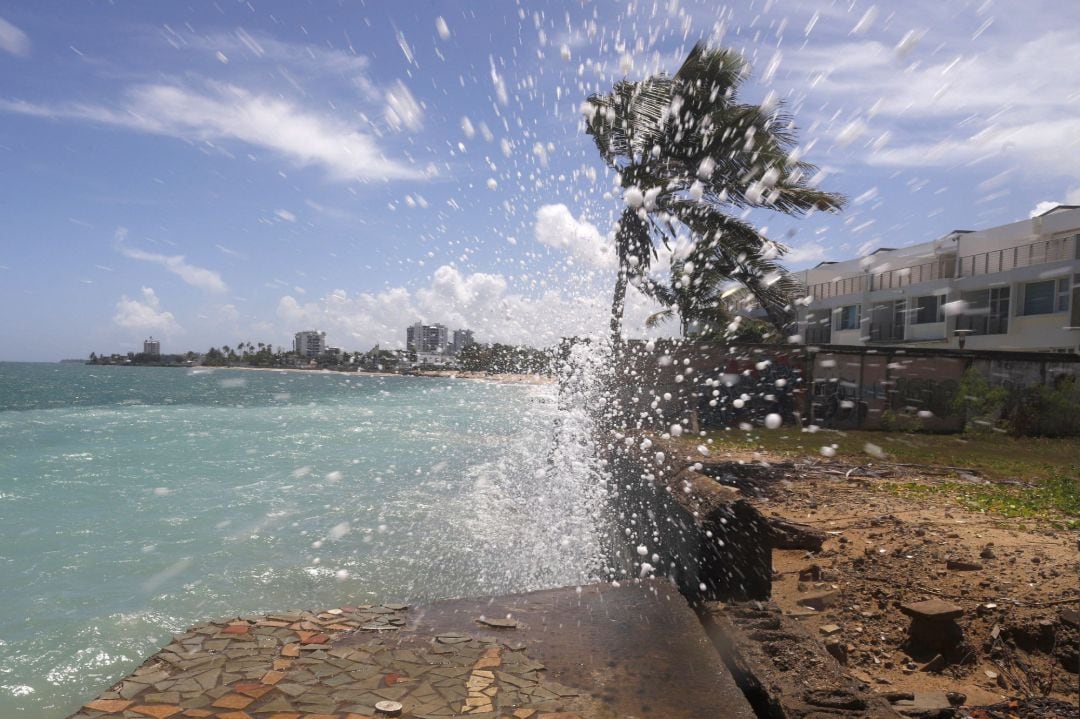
786	534
925	704
716	545
782	668
932	610
819	600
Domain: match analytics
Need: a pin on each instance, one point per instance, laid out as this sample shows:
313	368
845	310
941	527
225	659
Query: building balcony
949	266
1034	253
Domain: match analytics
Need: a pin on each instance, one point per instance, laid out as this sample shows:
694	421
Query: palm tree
687	153
712	306
714	279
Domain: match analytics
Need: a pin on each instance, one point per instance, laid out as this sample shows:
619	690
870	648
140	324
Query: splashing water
197	502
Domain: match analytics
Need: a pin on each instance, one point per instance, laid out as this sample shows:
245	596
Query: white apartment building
426	338
151	347
309	343
1012	287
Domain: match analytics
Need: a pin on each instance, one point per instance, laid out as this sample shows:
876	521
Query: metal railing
944	268
1034	253
950	267
853	284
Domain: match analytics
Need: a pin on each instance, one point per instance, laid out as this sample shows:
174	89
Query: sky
216	172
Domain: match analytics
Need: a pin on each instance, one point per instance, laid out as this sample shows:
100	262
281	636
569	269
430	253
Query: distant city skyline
210	171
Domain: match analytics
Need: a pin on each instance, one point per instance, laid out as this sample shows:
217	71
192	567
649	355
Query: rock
800	613
932	610
959	565
829	629
819	600
817	573
1070	617
987	553
898	696
957	699
792	535
498	623
838	650
835	698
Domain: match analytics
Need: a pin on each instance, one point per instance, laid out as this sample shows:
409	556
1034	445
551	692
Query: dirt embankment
1006	621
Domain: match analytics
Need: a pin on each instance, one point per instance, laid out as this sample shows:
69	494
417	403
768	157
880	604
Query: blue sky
216	172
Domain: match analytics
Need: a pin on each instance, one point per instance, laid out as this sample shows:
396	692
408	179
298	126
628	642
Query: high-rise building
151	347
435	337
309	343
462	339
414	337
428	339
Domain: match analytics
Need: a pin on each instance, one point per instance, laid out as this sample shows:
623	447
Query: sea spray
537	514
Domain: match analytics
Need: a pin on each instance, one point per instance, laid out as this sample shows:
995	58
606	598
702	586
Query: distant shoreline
503	377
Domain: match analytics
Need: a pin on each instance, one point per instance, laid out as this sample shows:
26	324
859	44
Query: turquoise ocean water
135	502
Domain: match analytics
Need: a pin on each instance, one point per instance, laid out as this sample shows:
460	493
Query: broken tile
233	701
111	706
158	711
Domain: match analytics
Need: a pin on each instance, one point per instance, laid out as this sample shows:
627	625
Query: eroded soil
1017	581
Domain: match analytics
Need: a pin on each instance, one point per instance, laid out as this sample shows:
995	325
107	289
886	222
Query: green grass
996	456
1056	499
1049	468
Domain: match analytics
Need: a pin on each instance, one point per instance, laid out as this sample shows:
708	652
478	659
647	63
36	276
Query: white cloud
556	227
485	303
145	314
1042	207
958	106
804	253
226	112
285	215
195	276
13	40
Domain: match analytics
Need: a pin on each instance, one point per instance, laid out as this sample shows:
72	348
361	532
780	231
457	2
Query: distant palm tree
687	153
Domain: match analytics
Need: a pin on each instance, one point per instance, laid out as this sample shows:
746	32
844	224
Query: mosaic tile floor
461	658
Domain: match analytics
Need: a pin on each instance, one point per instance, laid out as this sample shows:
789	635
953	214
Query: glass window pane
1062	295
1039	298
927	309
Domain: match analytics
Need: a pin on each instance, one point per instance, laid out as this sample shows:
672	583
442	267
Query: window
1043	298
848	317
999	311
928	309
987	311
1074	320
